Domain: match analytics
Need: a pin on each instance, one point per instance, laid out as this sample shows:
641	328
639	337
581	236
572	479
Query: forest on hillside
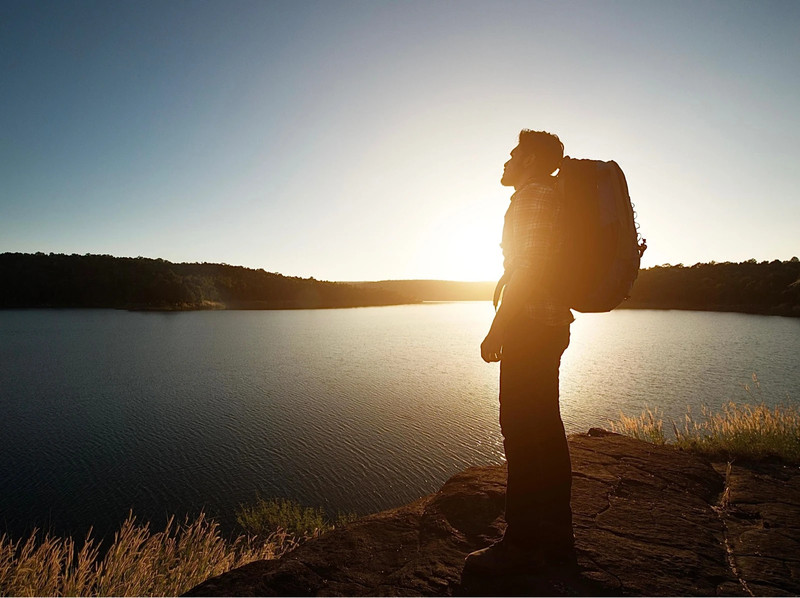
771	288
436	290
58	280
750	287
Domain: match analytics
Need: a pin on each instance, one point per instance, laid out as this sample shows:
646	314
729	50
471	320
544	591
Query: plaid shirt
531	237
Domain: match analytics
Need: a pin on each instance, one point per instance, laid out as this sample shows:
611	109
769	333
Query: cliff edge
649	520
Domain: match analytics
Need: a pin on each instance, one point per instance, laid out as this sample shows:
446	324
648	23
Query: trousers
539	469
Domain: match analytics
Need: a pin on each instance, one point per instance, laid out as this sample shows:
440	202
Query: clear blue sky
365	140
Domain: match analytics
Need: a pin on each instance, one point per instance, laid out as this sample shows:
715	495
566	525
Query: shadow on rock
566	584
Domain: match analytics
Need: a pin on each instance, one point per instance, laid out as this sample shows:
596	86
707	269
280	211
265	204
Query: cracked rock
648	521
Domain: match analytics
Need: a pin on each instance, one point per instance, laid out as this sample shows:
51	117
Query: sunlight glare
463	247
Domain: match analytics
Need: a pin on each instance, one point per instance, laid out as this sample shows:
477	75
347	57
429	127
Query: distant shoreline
262	306
742	309
143	284
736	310
175	309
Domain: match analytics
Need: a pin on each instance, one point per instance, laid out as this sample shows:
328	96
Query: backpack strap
498	290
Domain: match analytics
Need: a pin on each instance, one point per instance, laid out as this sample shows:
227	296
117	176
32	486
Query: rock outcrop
649	520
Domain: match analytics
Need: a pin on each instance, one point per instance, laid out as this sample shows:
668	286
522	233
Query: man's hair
547	147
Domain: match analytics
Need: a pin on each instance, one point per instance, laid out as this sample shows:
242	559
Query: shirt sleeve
536	213
507	244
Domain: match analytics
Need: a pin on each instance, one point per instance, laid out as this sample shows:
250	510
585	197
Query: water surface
352	409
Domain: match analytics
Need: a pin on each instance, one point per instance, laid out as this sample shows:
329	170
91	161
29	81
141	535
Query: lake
350	409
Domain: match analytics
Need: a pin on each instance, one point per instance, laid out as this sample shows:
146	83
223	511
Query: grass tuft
138	562
740	431
266	517
649	426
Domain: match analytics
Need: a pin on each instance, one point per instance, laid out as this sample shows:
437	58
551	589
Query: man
529	333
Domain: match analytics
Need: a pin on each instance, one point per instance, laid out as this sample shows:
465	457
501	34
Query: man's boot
507	557
503	558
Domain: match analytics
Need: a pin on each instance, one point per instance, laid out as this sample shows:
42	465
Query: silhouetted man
529	333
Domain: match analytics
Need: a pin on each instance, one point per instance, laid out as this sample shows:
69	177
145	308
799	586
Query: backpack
600	256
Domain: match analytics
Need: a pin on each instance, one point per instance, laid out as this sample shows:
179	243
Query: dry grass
649	426
748	432
138	563
739	431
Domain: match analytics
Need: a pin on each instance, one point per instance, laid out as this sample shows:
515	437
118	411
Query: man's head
538	153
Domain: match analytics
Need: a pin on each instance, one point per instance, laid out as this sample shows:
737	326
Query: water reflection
355	409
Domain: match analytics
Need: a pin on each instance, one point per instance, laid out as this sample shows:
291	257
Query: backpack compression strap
498	290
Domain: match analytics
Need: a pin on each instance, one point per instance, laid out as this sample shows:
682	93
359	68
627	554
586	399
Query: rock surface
648	520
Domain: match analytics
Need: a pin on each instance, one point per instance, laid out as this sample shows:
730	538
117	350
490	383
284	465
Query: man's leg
538	509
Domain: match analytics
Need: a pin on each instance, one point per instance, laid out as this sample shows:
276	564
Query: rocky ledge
649	520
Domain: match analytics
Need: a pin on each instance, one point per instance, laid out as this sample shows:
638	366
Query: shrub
267	517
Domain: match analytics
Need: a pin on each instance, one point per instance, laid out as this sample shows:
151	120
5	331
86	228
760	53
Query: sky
350	140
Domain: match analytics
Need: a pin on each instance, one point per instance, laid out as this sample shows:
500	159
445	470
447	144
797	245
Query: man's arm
517	292
534	223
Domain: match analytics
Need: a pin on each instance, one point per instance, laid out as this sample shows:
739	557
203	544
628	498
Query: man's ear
529	161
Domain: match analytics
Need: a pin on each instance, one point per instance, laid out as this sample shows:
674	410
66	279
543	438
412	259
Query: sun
462	247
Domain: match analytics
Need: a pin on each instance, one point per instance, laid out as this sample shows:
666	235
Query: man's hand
492	346
518	289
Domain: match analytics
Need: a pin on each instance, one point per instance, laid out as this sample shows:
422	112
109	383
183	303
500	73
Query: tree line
58	280
771	288
750	287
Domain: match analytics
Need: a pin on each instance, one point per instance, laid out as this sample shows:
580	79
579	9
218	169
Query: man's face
517	170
